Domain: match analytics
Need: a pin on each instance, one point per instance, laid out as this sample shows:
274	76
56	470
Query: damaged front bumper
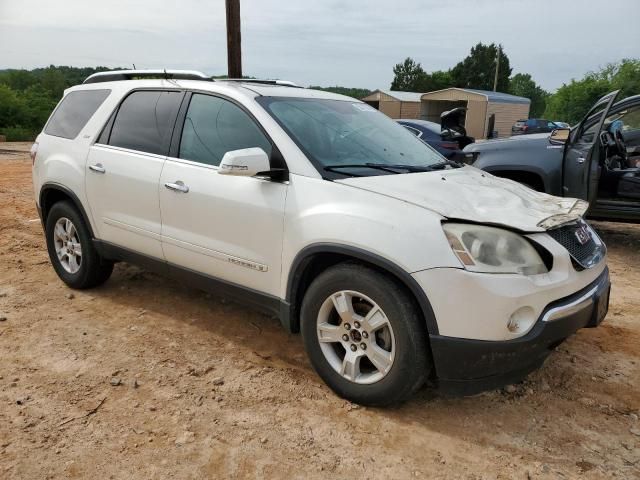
466	366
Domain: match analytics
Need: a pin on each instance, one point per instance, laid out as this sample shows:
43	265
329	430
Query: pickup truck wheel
364	335
71	250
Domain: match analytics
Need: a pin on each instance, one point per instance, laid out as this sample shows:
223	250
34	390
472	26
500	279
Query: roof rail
117	75
282	83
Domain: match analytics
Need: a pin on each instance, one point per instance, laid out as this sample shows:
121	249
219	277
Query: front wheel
364	335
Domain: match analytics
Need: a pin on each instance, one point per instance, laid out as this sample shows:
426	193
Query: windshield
341	138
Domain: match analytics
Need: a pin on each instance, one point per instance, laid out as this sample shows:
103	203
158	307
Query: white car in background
396	265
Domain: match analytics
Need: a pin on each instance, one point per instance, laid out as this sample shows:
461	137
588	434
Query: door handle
581	160
98	168
178	186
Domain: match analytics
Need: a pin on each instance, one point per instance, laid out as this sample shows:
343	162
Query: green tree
349	92
12	108
18	80
625	76
573	100
478	69
27	97
38	106
437	80
407	76
523	85
53	80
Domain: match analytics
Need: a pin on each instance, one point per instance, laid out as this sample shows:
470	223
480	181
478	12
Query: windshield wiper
386	168
393	168
445	164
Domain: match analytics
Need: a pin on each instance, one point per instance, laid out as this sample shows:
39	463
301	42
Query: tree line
478	70
27	97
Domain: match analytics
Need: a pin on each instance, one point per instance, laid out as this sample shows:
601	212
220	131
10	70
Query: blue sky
350	43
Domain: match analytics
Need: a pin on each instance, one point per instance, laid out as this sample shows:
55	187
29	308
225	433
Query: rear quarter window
74	111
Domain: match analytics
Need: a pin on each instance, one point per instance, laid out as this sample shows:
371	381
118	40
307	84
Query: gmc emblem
582	234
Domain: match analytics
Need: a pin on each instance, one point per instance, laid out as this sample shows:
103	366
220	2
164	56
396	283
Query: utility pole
495	79
234	52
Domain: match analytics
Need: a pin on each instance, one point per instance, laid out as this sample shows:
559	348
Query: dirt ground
145	378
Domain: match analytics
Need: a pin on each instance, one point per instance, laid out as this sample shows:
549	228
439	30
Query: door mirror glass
559	135
247	162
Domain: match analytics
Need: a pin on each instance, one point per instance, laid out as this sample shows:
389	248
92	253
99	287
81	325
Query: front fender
320	211
532	155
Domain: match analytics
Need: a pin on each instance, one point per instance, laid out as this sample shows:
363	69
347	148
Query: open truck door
452	126
581	165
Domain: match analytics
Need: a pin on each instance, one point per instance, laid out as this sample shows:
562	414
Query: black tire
93	269
411	365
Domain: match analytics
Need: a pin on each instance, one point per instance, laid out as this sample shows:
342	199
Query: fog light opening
521	320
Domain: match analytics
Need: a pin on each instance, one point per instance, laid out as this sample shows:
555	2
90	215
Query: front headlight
493	250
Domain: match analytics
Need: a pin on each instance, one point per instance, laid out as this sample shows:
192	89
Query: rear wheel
364	335
74	258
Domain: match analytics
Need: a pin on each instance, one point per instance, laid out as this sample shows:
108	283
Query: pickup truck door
581	165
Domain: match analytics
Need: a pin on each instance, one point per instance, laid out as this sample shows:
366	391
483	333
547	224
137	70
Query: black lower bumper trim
466	366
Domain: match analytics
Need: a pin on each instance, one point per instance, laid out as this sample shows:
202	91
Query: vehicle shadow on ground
218	316
248	329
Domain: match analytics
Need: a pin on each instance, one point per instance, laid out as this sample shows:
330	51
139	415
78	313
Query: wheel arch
314	259
51	193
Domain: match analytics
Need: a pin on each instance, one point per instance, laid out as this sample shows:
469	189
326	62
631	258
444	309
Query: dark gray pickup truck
597	160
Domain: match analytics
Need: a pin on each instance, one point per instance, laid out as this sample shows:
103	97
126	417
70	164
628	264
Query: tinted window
74	112
144	121
214	126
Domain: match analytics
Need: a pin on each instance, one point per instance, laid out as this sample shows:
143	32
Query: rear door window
74	111
214	126
145	120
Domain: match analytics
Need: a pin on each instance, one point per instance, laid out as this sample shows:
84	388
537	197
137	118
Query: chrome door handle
98	168
178	186
581	159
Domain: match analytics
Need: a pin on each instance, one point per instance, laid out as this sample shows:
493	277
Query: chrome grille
585	253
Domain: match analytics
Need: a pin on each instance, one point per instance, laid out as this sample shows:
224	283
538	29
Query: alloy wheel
67	245
356	337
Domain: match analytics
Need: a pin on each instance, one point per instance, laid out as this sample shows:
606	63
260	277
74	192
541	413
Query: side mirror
247	162
559	136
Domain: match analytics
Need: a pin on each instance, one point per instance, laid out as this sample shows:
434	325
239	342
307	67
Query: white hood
473	195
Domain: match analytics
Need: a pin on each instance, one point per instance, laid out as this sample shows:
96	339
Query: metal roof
499	97
402	96
493	97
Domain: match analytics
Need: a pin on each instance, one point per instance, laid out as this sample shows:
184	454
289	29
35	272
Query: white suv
396	265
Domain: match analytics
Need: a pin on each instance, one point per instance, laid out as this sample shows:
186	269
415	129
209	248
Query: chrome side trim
225	257
102	146
578	304
130	228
